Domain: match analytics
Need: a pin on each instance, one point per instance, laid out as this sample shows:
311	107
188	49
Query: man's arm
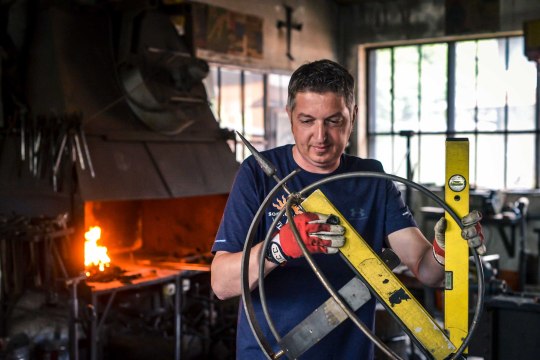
226	277
415	251
320	234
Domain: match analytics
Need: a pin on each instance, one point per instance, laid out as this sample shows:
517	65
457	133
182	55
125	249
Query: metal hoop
246	295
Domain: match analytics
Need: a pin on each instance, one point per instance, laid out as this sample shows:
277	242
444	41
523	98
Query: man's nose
320	131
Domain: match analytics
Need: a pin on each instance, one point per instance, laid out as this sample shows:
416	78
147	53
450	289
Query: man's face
321	125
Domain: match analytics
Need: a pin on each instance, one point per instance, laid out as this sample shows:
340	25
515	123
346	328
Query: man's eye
306	121
333	122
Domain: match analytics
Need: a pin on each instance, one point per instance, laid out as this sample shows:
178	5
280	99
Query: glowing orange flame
94	254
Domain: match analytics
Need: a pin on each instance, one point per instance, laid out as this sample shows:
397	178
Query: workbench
140	277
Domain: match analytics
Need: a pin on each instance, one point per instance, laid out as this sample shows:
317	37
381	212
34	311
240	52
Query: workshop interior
121	131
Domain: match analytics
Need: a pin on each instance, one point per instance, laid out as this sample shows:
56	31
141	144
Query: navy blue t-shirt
373	206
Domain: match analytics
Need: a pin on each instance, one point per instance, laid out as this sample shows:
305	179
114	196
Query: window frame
268	139
365	98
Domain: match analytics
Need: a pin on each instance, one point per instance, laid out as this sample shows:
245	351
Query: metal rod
106	311
339	300
246	292
268	168
178	319
86	151
246	296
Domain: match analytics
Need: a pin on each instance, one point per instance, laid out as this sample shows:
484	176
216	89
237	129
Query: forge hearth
152	231
159	271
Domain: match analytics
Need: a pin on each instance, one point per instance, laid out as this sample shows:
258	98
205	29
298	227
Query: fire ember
97	262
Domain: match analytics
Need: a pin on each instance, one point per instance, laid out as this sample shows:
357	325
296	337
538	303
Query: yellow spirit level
385	285
456	195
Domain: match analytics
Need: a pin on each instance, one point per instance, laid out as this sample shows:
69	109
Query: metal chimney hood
149	129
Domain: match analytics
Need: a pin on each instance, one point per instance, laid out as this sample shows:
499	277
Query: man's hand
320	233
472	232
439	241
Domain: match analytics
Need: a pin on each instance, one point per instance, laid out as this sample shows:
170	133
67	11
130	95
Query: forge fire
96	258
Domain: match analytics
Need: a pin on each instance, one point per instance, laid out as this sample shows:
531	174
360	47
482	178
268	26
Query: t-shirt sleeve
398	215
240	209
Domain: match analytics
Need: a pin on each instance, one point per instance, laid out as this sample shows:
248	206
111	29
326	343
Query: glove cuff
438	253
274	252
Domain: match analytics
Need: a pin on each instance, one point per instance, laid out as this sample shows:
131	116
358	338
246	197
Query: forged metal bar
246	294
268	168
177	318
324	319
262	294
385	285
324	281
86	151
450	211
262	291
329	315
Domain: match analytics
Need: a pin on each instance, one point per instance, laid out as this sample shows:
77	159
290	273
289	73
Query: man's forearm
226	275
430	272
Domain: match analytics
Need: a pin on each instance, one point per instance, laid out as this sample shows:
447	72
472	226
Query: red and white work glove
320	233
472	232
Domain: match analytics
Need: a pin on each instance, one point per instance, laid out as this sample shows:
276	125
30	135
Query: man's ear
354	114
289	114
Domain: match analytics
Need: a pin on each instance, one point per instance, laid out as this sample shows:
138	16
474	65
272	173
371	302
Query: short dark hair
321	76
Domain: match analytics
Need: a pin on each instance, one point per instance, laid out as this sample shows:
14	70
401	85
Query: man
322	113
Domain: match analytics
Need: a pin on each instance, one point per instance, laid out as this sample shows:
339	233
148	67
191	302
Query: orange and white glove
439	241
320	233
472	232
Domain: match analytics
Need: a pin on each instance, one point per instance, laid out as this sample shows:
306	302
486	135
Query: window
250	102
279	126
484	90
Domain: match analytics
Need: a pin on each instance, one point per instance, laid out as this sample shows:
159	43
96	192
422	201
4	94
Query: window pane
406	88
400	156
431	169
472	161
521	87
520	157
231	104
495	91
491	84
380	118
212	89
380	149
490	173
277	90
279	127
434	83
254	105
465	86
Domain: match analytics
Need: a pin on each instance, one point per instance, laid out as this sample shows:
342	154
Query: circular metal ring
246	294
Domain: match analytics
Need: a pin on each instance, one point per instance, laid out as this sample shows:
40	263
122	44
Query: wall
371	22
514	12
392	20
316	40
